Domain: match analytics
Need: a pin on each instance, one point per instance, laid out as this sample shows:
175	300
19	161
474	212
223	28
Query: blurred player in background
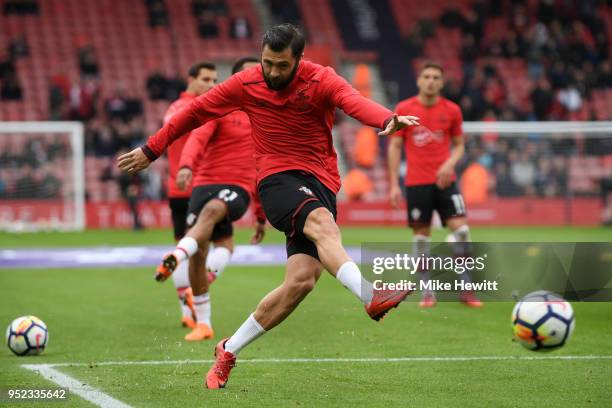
219	158
430	178
291	105
200	79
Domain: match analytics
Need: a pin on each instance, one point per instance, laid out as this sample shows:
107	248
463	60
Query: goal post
42	176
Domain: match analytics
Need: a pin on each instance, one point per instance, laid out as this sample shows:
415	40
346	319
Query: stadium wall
156	214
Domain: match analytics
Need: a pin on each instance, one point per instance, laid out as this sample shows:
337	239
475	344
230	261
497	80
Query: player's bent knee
298	289
320	224
213	210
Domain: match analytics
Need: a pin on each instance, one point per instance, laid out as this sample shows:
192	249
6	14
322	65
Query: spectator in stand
218	7
83	99
21	7
121	106
208	26
88	62
240	28
158	13
157	86
18	47
286	11
542	98
11	88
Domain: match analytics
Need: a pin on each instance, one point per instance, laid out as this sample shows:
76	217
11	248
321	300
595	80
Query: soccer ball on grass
543	320
27	335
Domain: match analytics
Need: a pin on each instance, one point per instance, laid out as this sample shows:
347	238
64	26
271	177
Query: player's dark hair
431	64
238	66
282	36
194	70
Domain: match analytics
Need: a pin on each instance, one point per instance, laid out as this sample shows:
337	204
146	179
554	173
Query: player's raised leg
321	228
198	236
301	274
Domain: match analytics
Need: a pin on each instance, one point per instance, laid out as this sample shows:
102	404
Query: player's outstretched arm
398	122
134	161
218	102
365	110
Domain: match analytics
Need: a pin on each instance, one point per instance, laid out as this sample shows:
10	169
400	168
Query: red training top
428	145
175	149
291	127
221	152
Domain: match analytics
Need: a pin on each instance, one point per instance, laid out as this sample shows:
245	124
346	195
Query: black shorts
178	209
287	199
424	199
236	198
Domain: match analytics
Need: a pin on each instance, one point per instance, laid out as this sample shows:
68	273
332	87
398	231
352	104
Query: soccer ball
27	335
543	320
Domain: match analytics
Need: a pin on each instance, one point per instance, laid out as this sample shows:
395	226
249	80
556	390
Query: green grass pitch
121	315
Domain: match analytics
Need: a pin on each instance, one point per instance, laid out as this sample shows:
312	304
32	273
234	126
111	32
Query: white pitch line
85	391
336	360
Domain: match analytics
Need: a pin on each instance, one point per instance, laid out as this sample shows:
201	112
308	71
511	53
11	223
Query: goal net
41	176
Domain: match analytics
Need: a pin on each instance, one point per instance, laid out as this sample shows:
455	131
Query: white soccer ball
27	335
543	320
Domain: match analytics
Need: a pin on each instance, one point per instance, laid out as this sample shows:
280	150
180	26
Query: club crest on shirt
422	136
301	101
306	190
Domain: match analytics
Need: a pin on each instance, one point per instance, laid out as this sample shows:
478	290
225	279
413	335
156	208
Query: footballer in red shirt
219	159
291	105
201	77
432	151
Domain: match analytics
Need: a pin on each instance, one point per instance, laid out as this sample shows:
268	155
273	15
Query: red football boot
428	300
469	298
218	374
383	301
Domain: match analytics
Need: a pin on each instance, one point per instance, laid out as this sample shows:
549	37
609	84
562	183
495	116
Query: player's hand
397	123
133	161
183	178
444	176
260	232
395	196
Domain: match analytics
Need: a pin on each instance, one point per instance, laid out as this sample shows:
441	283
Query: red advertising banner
156	214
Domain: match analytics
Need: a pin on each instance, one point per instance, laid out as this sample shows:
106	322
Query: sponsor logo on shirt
422	136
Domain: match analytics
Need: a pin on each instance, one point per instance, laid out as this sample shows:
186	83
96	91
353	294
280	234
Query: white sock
185	248
185	310
462	236
180	277
217	260
420	246
350	276
201	304
249	331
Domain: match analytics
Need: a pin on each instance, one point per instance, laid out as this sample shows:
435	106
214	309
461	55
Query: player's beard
281	84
